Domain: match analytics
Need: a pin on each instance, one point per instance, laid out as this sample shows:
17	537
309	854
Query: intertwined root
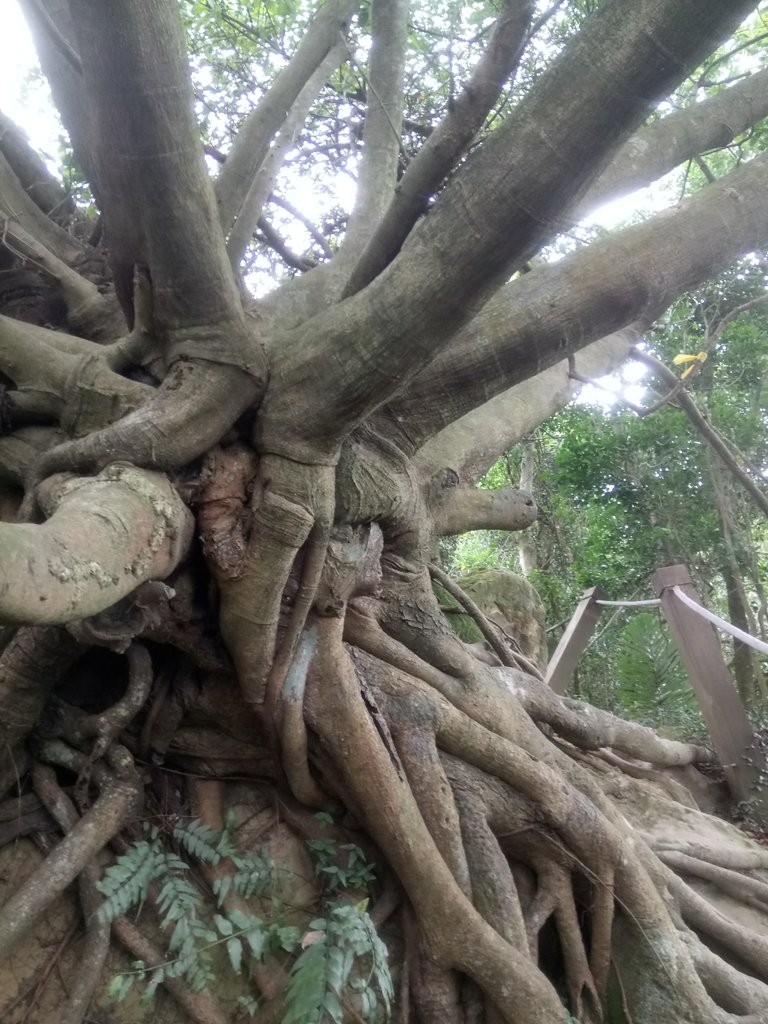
547	871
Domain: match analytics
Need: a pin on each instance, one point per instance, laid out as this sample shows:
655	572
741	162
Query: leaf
235	953
120	986
288	937
222	887
223	924
332	1007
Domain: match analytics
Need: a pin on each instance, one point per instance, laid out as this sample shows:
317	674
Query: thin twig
705	429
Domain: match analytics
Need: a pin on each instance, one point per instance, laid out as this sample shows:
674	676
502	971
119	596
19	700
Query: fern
341	953
652	684
322	973
356	873
126	883
199	841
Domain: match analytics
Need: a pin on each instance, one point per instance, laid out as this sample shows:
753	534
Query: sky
28	103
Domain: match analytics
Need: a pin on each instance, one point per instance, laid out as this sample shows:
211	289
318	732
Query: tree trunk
215	587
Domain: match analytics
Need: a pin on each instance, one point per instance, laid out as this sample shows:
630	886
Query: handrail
705	613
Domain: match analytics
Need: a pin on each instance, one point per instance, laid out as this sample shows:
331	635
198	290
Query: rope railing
731	732
746	638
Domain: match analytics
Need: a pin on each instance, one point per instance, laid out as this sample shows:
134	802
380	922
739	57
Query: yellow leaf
683	357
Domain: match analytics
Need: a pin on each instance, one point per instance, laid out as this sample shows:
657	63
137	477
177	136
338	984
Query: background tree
322	436
620	493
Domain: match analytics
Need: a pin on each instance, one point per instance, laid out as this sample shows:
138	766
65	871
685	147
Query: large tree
285	465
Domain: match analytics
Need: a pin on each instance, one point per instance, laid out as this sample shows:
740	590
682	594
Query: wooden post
574	640
732	737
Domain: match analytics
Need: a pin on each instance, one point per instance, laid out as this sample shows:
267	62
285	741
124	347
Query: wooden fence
733	739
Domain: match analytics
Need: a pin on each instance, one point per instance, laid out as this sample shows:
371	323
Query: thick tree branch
680	136
592	97
317	235
17	204
467	508
154	189
447	142
38	183
89	311
105	536
78	386
267	235
471	444
191	410
383	121
253	141
560	308
53	31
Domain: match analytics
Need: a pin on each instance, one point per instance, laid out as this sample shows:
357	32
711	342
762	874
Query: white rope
759	645
653	602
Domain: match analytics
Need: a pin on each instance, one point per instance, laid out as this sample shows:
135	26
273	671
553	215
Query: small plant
323	974
323	971
354	873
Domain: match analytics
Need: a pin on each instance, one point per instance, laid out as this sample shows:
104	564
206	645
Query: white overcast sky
27	103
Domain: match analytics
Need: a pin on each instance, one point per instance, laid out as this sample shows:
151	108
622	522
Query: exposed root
457	935
742	944
634	770
107	725
740	886
116	804
30	666
21	816
536	892
270	977
509	657
93	953
291	503
749	859
494	891
735	991
200	1006
414	737
293	731
591	728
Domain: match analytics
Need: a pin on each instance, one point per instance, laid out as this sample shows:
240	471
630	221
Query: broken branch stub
104	537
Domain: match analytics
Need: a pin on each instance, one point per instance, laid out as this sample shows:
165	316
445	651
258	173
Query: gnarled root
544	855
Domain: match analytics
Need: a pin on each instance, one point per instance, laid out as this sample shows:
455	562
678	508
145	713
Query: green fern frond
307	985
199	841
343	953
126	882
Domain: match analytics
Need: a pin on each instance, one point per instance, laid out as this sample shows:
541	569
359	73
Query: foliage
354	873
651	684
620	495
323	970
338	954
